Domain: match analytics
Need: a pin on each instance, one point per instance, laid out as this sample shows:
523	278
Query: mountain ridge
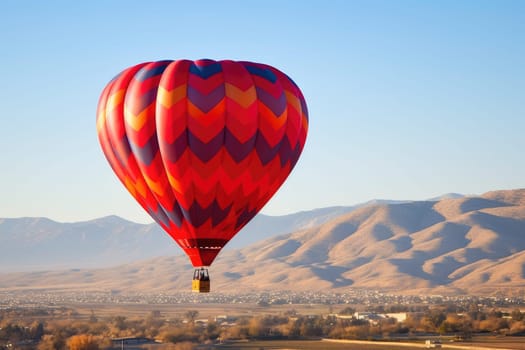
471	245
39	243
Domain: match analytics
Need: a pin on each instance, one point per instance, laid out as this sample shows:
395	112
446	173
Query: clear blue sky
407	99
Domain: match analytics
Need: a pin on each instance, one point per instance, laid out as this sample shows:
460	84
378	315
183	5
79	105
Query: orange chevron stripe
176	185
137	122
241	122
293	101
141	188
195	113
276	122
206	125
155	186
172	122
271	127
130	186
244	98
167	98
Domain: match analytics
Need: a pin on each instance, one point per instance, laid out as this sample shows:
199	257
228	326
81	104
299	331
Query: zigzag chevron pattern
202	145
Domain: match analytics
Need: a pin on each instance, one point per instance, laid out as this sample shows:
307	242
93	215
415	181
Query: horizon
365	203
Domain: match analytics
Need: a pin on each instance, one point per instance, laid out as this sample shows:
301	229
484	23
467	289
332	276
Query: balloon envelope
202	145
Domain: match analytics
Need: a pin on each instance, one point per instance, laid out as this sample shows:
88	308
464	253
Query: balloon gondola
201	281
202	145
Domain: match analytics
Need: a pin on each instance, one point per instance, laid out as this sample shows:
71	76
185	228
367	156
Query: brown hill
465	245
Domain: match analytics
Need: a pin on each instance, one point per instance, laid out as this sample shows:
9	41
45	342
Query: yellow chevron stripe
155	186
137	121
115	99
168	98
101	120
244	98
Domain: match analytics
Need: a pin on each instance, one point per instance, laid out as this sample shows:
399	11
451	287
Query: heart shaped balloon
202	145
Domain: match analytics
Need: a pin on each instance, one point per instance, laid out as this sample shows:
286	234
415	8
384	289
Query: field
179	310
307	345
492	343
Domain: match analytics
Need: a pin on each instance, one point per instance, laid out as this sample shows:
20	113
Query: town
36	297
44	320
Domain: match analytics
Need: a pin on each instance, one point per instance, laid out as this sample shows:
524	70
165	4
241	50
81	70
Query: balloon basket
201	281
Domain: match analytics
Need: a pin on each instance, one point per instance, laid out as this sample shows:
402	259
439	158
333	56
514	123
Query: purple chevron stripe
159	216
295	155
141	102
265	152
197	215
244	217
146	153
206	102
121	149
206	151
276	105
174	215
304	108
237	150
285	151
173	151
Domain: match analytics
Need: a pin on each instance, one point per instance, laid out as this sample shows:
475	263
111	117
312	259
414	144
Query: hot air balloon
202	145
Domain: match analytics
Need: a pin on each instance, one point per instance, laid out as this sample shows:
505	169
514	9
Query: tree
192	315
82	342
37	331
517	315
347	311
435	318
256	327
120	322
48	343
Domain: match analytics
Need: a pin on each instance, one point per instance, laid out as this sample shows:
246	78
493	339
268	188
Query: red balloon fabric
202	145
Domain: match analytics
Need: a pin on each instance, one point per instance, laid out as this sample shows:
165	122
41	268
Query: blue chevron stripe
146	73
262	72
206	71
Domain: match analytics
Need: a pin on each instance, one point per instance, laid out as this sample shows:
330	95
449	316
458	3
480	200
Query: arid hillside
463	245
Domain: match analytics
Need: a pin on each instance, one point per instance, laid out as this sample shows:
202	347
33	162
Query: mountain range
29	244
453	244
